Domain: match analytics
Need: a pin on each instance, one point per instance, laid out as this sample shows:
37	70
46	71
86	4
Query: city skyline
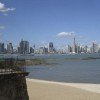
25	48
43	21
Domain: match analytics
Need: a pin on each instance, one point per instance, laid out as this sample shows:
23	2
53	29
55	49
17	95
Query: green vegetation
36	62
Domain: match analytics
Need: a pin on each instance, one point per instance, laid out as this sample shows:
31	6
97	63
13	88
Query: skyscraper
69	49
95	48
2	49
24	47
9	48
51	47
31	50
43	50
74	45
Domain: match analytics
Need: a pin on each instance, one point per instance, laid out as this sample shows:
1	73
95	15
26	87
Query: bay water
61	69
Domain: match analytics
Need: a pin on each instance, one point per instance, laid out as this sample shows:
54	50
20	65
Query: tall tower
74	45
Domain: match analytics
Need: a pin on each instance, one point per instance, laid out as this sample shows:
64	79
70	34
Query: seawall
13	87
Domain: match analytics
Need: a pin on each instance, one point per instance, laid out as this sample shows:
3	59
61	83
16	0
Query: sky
43	21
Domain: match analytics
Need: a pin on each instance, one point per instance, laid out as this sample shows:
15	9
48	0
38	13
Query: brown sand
45	91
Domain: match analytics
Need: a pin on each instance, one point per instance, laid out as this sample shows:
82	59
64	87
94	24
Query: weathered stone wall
13	87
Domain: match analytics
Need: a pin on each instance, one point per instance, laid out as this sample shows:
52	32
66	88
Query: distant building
43	50
2	48
31	50
99	48
23	47
46	50
69	49
9	48
86	49
74	45
15	51
18	50
51	48
95	48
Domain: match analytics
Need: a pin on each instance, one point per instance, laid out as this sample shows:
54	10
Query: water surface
62	70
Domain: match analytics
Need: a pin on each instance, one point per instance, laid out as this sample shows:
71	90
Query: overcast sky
43	21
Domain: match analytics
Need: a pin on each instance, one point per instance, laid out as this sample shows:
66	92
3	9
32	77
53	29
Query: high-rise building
43	50
86	49
9	48
46	50
24	47
95	48
18	50
2	49
51	48
69	49
31	50
74	45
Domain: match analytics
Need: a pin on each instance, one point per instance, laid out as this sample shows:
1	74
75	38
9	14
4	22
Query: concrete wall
13	87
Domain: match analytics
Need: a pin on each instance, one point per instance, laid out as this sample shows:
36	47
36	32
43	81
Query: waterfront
47	90
72	79
70	71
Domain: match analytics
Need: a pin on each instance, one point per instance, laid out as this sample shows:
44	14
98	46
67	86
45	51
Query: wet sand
46	90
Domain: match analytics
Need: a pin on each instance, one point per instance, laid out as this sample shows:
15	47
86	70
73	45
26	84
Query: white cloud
4	9
2	6
65	34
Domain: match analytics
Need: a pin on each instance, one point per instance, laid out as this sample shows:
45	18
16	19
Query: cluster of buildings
24	48
77	48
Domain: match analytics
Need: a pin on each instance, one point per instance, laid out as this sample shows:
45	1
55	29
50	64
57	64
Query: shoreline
48	90
84	86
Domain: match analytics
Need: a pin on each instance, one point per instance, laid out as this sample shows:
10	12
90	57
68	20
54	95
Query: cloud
4	9
65	34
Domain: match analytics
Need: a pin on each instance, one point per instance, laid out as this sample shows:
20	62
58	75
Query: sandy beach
47	90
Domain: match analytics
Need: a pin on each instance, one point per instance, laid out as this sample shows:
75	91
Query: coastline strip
84	86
